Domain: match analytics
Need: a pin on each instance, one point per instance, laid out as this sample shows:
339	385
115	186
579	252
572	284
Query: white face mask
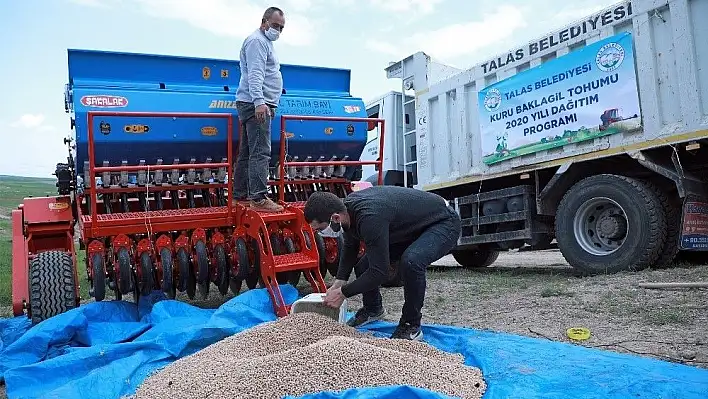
334	230
272	34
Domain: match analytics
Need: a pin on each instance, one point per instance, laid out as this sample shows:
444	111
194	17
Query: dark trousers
414	257
251	172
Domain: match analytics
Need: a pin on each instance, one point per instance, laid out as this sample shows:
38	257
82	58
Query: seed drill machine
149	178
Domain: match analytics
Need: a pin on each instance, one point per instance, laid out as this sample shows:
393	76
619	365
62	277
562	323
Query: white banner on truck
586	94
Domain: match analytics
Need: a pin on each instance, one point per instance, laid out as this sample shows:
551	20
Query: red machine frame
53	225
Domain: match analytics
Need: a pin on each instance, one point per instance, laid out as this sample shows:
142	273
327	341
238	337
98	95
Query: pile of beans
307	353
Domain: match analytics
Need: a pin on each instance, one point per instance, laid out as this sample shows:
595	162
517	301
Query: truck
592	136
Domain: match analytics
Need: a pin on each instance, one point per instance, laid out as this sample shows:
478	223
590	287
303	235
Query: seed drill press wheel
146	274
51	285
255	275
277	249
203	280
293	276
222	269
98	280
187	280
125	280
168	285
236	281
319	241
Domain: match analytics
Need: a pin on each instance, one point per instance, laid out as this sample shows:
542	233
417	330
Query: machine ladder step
294	261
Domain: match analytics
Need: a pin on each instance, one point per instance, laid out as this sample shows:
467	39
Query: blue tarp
106	349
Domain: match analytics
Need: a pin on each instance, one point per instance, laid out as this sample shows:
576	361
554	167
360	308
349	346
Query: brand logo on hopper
101	101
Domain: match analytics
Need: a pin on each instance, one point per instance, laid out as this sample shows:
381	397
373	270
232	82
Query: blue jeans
415	256
251	172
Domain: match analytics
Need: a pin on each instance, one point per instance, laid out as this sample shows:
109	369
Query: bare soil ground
537	294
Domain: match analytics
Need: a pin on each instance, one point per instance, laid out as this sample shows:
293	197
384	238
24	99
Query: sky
360	35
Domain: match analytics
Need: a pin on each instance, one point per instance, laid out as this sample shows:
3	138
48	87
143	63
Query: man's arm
375	234
348	258
256	55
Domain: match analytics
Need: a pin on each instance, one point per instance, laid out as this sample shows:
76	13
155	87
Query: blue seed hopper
128	82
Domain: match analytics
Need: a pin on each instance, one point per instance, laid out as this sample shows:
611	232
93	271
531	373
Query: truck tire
672	210
609	223
475	258
52	285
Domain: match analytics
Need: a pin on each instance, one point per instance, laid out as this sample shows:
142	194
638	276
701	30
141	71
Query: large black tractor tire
610	223
475	258
51	285
671	204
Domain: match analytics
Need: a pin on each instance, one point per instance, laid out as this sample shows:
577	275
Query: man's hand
261	112
334	297
338	284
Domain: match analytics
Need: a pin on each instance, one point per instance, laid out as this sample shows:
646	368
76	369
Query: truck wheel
671	205
475	258
52	285
609	223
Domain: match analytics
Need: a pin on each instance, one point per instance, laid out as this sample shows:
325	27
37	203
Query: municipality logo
609	57
492	100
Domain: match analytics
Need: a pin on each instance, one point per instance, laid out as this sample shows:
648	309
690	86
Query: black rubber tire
293	277
98	281
644	213
126	273
254	276
275	245
319	241
202	262
475	258
51	285
243	261
223	274
168	282
187	280
671	203
147	271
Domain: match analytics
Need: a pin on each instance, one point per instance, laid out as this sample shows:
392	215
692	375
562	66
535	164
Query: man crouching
395	223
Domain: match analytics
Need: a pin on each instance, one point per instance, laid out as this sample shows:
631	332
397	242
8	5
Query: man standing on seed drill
257	98
396	223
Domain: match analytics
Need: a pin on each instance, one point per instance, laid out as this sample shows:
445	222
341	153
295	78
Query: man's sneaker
363	316
407	331
267	204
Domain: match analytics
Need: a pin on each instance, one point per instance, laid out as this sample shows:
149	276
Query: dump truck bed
631	76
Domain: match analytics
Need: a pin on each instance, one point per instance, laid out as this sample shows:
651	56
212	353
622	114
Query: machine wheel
319	241
293	277
281	278
203	280
51	285
222	270
254	277
147	272
187	281
168	284
98	280
125	280
609	223
475	258
671	205
243	261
